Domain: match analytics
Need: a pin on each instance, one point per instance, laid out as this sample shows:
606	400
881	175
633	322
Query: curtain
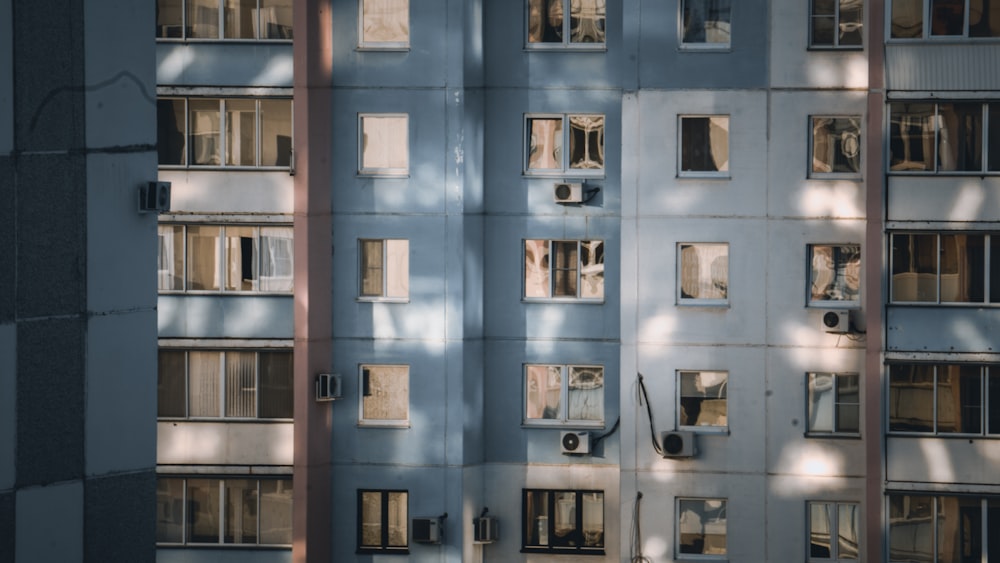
704	271
384	143
241	384
592	269
170	260
397	518
536	268
907	18
239	19
241	132
241	258
586	393
389	393
241	511
276	376
276	512
371	518
911	137
204	119
397	263
545	139
203	383
203	19
586	21
276	259
385	21
543	389
275	19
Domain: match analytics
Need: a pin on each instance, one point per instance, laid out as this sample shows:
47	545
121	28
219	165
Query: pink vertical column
313	56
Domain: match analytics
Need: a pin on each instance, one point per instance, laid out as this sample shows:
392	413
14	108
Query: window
384	145
224	383
944	137
701	528
561	394
224	132
703	273
564	269
945	18
705	23
704	145
562	521
834	275
385	24
224	19
833	531
961	528
946	268
944	399
547	135
385	396
230	258
549	26
836	146
385	269
701	397
836	24
383	519
834	401
231	511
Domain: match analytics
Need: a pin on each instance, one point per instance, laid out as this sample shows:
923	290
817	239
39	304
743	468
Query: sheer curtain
276	262
203	19
203	383
241	384
276	512
586	393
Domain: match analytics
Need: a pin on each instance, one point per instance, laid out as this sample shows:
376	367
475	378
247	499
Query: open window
385	269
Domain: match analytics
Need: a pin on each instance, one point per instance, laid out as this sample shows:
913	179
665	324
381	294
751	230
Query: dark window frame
384	547
576	535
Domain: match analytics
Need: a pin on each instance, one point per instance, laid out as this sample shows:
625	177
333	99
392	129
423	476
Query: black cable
598	439
649	411
635	549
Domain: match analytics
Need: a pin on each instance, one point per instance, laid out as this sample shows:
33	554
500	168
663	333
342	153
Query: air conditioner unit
567	193
427	530
154	196
328	386
837	322
486	529
677	443
574	443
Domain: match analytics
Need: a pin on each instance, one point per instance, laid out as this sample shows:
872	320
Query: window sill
565	175
389	175
704	176
706	430
562	425
226	546
832	48
833	435
705	48
948	435
235	41
703	304
566	47
562	301
564	550
220	168
385	551
834	176
234	420
384	425
386	48
226	293
383	300
849	305
944	173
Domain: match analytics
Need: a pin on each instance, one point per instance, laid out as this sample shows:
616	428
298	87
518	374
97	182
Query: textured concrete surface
117	507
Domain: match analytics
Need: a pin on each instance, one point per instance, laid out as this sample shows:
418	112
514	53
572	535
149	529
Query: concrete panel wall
793	65
223	443
215	191
216	555
222	63
941	460
41	511
8	405
225	316
940	66
6	78
942	329
943	198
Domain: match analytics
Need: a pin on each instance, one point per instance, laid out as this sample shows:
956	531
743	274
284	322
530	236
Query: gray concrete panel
6	79
929	197
50	398
224	63
225	316
51	235
7	237
942	329
49	92
966	66
7	520
215	555
120	518
50	525
8	405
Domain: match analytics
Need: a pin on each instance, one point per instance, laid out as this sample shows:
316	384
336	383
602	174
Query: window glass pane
384	143
169	18
371	519
241	384
204	120
203	511
203	386
385	21
587	21
702	526
593	518
959	399
706	21
203	19
276	259
993	416
592	269
543	392
241	132
241	511
959	529
536	268
564	531
545	21
983	18
170	132
371	267
848	403
824	20
388	393
586	142
240	20
851	13
847	531
960	136
911	135
397	518
703	398
947	17
705	144
545	143
993	157
536	513
914	267
821	402
171	395
836	145
963	268
169	510
276	512
397	255
586	393
994	269
911	535
704	271
170	258
911	398
835	273
276	400
993	526
907	18
276	20
820	530
565	261
241	254
275	131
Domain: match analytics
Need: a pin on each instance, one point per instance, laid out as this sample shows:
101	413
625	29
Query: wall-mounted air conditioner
677	443
328	386
567	193
155	197
486	529
837	321
427	530
572	442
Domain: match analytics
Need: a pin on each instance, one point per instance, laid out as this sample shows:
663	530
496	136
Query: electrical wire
635	549
598	439
649	410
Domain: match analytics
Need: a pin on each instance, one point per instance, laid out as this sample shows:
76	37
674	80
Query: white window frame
725	173
550	297
811	278
566	169
563	419
702	428
927	23
389	270
382	172
987	372
836	45
990	300
381	422
258	28
847	140
936	120
373	45
835	379
677	530
833	517
566	42
695	301
705	45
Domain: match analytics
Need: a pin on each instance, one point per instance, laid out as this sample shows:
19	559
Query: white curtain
704	271
203	383
397	263
586	393
203	19
384	143
241	384
536	268
276	259
385	21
